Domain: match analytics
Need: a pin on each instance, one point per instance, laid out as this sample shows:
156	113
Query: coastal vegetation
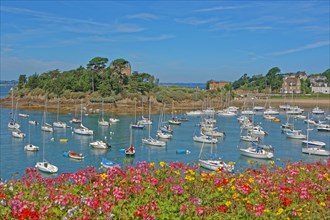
172	191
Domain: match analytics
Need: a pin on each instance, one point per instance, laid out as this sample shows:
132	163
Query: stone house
291	82
319	84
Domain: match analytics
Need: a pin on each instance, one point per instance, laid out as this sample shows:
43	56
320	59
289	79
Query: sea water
14	159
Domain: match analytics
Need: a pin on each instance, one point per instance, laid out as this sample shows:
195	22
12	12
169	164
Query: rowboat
73	155
109	163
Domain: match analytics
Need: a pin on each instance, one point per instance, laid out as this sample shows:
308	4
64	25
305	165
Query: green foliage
327	74
21	81
305	86
97	63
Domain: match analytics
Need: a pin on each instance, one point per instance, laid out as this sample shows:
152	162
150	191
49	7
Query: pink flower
177	190
199	211
152	180
118	193
183	209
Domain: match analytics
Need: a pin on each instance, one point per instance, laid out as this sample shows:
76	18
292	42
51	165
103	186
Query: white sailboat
45	126
58	123
101	120
29	146
130	151
150	140
214	163
113	119
314	147
161	132
256	152
144	120
82	130
136	124
312	143
13	124
17	133
44	165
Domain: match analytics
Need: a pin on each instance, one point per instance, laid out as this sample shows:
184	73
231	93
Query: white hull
260	154
104	123
46	167
31	147
59	124
99	145
249	138
13	125
113	120
205	139
33	122
194	113
316	151
314	143
154	142
216	165
23	115
83	131
164	135
47	128
18	134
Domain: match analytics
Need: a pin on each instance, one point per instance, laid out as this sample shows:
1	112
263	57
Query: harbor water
14	159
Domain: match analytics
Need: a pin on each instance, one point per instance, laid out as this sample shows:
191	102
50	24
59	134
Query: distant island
8	82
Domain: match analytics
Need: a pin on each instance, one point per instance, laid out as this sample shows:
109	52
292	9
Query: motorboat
99	144
130	151
315	151
33	122
295	111
194	113
205	139
164	135
113	120
258	108
106	163
323	127
271	111
248	112
295	134
258	131
256	152
47	127
31	147
216	164
73	155
59	124
317	111
154	142
269	117
138	126
17	133
314	143
249	138
226	112
46	167
23	115
103	122
14	125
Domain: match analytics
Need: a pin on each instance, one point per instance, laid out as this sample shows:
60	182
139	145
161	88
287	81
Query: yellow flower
322	204
287	218
232	163
241	175
162	164
228	203
103	176
235	195
190	178
177	173
220	188
152	164
232	180
279	211
233	188
266	211
191	172
204	174
302	168
272	162
251	180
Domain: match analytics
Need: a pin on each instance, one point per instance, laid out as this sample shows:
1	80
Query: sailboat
101	120
317	110
58	123
17	133
82	130
136	124
130	151
75	119
214	163
312	143
151	141
29	146
256	152
13	124
45	126
113	119
316	148
144	120
163	130
45	166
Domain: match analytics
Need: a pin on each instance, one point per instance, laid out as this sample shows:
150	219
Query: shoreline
127	106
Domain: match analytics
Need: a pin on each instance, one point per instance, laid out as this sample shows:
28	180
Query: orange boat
276	120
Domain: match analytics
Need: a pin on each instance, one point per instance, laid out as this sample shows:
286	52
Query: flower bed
171	191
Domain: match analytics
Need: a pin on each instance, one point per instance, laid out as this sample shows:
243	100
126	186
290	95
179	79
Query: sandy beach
126	106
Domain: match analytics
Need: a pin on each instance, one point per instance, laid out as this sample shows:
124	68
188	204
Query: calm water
14	159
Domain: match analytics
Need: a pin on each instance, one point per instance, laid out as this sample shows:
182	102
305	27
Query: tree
21	81
97	63
33	81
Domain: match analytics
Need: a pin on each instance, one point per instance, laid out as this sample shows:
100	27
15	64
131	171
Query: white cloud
218	8
305	47
195	21
143	16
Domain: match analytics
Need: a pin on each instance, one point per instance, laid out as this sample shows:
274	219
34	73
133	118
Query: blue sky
177	41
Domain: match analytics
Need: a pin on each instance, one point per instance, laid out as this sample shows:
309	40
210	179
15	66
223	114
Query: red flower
225	181
199	211
286	202
222	208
